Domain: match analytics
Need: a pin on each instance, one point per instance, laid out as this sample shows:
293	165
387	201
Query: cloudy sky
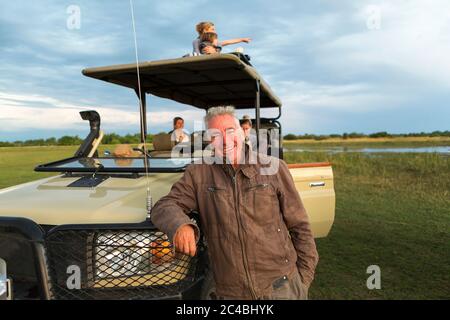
338	66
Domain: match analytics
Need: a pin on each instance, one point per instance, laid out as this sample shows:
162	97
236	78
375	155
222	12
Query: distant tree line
353	135
113	138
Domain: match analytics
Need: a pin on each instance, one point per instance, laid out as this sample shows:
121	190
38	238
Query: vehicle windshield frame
65	166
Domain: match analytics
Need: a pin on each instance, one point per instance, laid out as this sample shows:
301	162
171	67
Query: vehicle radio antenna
149	202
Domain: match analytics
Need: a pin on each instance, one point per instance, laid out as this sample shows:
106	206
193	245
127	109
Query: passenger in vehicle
178	134
207	26
246	125
250	135
208	40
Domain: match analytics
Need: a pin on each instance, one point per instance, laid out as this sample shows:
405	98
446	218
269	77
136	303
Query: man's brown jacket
255	224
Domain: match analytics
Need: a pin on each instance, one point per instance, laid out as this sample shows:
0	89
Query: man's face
226	137
179	124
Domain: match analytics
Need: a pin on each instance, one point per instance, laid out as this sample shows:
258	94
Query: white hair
219	111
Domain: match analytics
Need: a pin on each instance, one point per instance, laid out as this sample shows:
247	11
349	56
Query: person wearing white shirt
178	134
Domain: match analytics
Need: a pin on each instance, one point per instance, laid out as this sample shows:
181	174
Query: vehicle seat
162	145
203	152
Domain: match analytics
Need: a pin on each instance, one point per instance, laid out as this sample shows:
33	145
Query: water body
437	149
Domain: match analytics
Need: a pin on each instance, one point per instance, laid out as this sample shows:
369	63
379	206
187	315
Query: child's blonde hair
202	26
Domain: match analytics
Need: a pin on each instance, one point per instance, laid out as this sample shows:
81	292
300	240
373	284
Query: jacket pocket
218	207
281	289
259	186
289	289
261	202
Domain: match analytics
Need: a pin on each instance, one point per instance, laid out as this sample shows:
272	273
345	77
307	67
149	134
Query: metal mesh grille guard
116	264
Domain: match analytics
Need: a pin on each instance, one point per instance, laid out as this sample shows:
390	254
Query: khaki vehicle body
91	219
123	200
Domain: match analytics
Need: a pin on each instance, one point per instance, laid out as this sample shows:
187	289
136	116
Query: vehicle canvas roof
201	81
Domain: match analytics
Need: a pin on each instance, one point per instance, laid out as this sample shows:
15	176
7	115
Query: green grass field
406	142
392	210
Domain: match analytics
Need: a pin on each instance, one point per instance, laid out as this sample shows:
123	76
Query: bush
36	142
382	134
50	141
69	141
111	138
290	136
355	135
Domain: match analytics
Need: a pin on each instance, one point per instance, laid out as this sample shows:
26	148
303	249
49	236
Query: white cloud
317	57
288	41
176	9
22	49
158	118
76	43
356	97
24	112
19	73
413	39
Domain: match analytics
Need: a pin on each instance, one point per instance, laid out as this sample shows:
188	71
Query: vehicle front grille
117	264
17	252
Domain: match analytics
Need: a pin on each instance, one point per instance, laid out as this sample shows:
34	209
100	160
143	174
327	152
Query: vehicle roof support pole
143	114
257	110
280	135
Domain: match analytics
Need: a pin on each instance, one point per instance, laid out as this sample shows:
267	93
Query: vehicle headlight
125	254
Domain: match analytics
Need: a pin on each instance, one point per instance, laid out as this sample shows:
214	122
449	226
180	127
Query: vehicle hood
116	200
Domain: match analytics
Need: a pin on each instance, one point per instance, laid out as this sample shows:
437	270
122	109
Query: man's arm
234	41
297	222
170	214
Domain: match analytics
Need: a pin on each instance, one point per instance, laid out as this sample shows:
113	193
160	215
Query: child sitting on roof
208	27
209	39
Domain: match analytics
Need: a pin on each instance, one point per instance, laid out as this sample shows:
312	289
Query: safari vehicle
85	233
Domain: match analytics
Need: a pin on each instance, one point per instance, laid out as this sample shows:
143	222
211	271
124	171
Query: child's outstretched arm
234	41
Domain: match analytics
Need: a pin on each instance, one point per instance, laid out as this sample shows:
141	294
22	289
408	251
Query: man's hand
209	50
246	40
184	240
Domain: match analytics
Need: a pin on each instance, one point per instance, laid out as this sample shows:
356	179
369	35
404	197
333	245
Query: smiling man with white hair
259	238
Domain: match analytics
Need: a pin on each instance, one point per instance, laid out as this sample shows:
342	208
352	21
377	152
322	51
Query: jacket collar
249	168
